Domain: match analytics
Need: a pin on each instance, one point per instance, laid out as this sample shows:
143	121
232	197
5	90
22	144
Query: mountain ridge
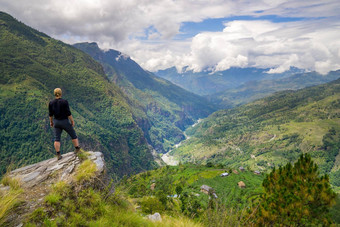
237	86
252	90
209	82
32	65
272	131
168	108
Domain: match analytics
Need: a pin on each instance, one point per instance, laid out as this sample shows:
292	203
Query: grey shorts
60	125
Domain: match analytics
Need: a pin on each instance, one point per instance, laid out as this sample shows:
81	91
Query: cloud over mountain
310	45
276	34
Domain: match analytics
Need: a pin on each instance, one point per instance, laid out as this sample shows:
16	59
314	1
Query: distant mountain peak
122	57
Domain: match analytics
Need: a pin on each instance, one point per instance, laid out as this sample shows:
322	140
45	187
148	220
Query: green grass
65	206
11	182
191	178
82	155
53	199
228	191
86	171
9	199
228	209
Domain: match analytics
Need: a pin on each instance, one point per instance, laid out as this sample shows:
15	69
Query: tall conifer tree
295	195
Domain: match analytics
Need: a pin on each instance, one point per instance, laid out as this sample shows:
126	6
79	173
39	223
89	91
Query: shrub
85	171
151	205
53	199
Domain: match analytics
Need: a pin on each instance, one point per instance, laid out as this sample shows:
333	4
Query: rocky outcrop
53	170
36	180
241	184
155	217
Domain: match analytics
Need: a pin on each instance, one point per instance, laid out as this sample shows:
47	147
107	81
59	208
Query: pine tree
295	195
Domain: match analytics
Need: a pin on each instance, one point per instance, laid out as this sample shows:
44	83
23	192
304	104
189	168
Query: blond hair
57	92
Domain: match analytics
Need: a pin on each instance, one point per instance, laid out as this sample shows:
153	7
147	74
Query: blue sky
216	34
190	29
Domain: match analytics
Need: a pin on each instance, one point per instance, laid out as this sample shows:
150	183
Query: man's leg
57	149
57	146
75	142
70	130
57	136
76	145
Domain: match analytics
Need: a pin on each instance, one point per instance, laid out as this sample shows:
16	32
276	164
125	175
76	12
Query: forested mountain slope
169	108
272	131
32	65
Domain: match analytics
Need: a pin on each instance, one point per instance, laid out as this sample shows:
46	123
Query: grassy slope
271	131
169	108
192	177
32	65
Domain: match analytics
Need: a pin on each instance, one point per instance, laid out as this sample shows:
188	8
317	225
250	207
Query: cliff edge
36	180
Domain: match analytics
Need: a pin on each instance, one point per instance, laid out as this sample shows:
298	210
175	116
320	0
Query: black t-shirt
59	108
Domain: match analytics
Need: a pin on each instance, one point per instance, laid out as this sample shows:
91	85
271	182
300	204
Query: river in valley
171	160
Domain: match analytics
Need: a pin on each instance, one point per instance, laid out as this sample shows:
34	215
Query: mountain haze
253	90
237	86
208	82
32	65
169	108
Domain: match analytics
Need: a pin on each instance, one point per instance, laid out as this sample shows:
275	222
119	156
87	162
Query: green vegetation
295	195
271	132
10	198
167	108
176	191
335	210
291	195
80	204
86	171
32	65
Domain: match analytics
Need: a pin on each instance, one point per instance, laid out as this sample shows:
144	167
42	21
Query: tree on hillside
295	195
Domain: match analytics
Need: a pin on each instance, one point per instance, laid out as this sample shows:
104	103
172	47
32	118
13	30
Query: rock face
241	184
54	170
155	217
36	179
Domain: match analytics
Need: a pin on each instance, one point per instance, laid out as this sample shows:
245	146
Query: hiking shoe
77	150
59	156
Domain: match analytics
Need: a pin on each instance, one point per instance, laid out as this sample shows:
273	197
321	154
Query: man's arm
71	119
51	121
50	113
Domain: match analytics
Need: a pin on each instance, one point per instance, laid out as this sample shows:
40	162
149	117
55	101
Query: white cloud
306	45
311	44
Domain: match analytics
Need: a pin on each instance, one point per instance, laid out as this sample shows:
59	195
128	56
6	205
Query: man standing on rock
63	120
